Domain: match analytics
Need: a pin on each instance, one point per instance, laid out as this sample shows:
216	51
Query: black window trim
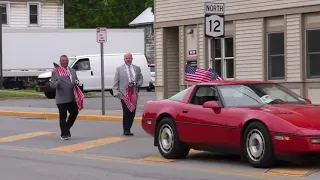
5	4
269	65
38	13
307	68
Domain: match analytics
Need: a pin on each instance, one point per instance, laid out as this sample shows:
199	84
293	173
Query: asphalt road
30	149
94	102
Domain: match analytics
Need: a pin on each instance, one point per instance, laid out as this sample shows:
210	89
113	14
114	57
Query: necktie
130	73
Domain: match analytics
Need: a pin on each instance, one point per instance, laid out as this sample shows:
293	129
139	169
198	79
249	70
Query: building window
276	66
313	53
224	57
34	13
4	13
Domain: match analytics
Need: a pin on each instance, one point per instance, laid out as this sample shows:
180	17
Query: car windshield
71	60
258	94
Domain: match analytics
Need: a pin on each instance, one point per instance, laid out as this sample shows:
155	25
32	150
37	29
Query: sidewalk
52	113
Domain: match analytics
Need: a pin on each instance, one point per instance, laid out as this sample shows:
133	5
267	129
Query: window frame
185	92
193	93
223	59
7	4
307	60
38	15
269	65
82	59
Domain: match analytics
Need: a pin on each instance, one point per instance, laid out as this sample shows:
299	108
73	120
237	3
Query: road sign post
102	38
214	22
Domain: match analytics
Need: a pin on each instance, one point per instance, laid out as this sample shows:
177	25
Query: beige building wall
179	29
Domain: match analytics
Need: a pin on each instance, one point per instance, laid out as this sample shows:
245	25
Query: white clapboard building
276	40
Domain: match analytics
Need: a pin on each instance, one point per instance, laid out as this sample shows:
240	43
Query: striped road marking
159	158
297	172
24	136
88	144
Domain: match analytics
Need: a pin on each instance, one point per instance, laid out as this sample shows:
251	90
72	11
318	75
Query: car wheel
50	95
257	146
169	145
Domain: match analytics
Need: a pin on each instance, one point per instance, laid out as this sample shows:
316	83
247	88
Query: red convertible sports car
261	121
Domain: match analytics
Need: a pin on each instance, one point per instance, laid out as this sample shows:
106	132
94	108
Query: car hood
300	115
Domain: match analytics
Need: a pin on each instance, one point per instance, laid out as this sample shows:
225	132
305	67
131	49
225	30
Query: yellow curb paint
24	136
159	158
88	144
298	172
56	116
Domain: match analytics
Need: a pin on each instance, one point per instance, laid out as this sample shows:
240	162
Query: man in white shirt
65	98
128	78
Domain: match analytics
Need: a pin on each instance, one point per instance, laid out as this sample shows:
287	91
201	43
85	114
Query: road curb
56	116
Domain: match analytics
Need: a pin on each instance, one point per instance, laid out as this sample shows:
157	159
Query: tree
149	3
106	13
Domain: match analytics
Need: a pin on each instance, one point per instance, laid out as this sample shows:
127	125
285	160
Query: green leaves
107	13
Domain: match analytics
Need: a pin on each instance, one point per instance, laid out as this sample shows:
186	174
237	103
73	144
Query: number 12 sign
215	26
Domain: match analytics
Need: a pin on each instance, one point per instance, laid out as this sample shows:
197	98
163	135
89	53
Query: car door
85	73
201	125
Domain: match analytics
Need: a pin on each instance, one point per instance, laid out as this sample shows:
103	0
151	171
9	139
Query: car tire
169	144
50	95
256	134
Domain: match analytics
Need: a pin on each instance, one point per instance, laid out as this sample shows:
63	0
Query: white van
88	69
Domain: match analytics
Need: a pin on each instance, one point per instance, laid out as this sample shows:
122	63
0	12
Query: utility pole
1	67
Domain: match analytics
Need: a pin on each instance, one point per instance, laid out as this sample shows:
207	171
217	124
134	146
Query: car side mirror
308	100
211	104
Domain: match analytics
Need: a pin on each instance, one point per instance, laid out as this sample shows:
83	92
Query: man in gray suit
65	98
127	73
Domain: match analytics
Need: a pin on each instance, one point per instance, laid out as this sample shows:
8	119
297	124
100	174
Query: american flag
215	76
78	94
60	70
131	98
194	74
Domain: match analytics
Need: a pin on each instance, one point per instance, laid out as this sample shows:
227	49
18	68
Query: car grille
42	81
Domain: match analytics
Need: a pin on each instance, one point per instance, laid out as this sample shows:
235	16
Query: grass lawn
28	93
9	94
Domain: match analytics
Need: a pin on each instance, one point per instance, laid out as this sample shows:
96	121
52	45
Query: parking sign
101	35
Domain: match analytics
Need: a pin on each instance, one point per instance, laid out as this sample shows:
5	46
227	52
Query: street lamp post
1	69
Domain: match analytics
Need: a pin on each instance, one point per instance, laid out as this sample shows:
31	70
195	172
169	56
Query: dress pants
128	117
72	108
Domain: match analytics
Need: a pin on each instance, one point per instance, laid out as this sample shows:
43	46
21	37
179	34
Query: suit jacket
64	91
121	79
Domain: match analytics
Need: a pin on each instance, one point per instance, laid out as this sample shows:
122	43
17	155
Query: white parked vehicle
88	69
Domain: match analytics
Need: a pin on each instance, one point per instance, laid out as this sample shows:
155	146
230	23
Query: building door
222	56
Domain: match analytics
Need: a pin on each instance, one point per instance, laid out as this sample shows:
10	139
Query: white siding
182	54
293	47
172	60
201	46
158	44
169	10
248	52
51	15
